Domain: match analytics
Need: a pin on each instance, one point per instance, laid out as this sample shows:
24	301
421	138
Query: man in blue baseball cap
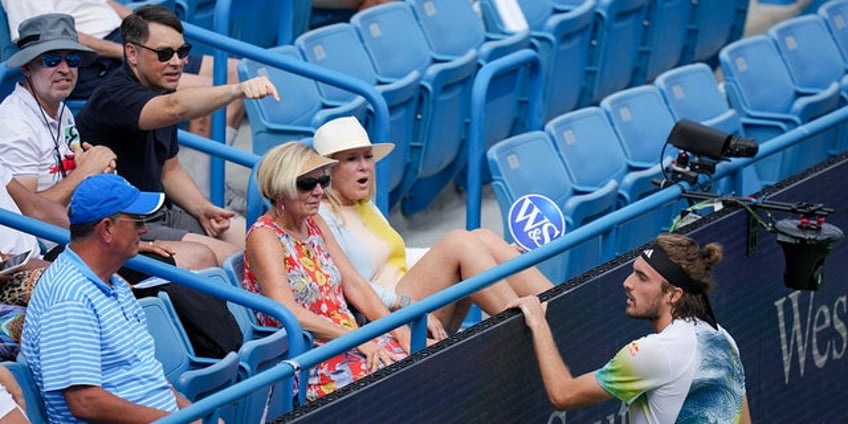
85	336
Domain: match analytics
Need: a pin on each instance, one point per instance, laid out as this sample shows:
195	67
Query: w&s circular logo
535	220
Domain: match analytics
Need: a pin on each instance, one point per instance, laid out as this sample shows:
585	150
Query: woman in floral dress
287	259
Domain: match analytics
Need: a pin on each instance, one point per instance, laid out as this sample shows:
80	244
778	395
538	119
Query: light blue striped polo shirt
80	331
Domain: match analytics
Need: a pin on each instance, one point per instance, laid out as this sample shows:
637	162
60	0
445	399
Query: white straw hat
346	133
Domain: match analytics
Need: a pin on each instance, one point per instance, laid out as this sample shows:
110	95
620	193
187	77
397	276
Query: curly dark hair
698	262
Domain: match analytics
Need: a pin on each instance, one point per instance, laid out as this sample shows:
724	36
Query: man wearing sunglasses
98	25
135	112
39	143
86	338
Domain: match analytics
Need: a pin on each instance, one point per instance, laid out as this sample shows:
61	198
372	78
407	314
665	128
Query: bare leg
221	249
456	257
525	283
189	255
235	235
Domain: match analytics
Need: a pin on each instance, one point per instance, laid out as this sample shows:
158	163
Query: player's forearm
555	374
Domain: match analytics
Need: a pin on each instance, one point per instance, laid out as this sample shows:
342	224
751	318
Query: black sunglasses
167	53
53	59
139	220
308	184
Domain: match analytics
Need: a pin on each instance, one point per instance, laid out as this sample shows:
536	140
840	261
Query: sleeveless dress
316	285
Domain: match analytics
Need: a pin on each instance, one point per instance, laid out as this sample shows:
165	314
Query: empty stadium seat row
592	155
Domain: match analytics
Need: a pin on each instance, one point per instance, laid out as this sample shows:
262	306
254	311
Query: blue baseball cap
103	195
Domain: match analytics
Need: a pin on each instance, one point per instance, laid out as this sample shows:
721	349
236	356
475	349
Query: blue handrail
479	94
338	79
218	150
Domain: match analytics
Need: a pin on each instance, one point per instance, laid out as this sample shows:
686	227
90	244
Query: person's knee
220	249
486	235
194	256
462	240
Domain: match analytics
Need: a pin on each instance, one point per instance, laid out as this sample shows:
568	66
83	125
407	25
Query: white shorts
7	403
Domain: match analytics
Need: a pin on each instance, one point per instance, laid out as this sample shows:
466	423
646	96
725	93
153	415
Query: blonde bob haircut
281	166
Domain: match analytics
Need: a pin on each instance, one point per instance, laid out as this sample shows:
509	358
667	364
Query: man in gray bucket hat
39	144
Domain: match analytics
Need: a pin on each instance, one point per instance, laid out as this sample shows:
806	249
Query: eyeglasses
167	53
308	184
53	59
138	220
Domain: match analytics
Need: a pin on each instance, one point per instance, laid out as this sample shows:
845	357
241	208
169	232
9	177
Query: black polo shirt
110	117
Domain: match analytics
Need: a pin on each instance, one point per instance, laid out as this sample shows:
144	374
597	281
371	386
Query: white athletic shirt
689	372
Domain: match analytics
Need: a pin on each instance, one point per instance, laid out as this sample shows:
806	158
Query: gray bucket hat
49	32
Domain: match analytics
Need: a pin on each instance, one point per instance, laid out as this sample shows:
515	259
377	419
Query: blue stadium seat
192	376
835	14
562	41
200	13
338	47
813	59
258	22
642	121
263	348
528	163
298	114
35	410
451	29
759	85
7	47
615	44
397	46
811	54
692	92
8	78
713	25
256	203
134	4
662	44
589	147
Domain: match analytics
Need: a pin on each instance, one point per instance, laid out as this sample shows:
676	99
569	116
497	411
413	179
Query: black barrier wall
793	343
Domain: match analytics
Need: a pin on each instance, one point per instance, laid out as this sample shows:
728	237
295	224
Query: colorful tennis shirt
687	373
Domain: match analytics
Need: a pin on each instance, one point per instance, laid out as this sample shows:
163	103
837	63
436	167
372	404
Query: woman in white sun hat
378	252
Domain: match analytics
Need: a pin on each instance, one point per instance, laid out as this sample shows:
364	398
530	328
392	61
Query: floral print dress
316	284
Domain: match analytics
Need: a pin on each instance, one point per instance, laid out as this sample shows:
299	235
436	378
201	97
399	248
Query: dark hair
136	27
696	261
84	230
